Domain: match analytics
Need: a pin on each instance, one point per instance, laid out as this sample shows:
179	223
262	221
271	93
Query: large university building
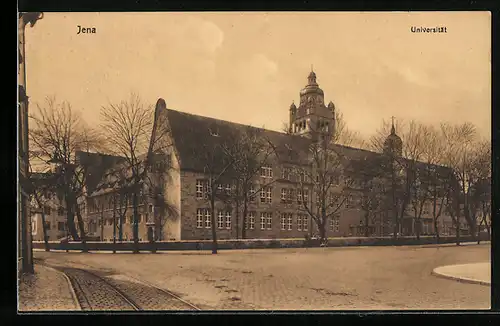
181	173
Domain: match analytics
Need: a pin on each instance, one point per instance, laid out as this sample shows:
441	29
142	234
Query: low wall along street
252	243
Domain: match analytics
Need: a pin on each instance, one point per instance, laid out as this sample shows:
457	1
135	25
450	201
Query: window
199	218
299	222
269	221
283	221
199	189
219	187
334	223
266	172
251	220
289	219
61	226
228	188
252	193
228	220
46	210
266	195
220	220
348	201
208	221
286	173
305	194
262	221
283	195
299	196
47	225
305	225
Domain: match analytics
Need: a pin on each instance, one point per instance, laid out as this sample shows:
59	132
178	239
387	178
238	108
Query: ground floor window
220	220
228	220
208	221
266	220
199	218
299	222
251	219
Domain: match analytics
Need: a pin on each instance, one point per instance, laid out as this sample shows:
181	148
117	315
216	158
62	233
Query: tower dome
393	143
312	87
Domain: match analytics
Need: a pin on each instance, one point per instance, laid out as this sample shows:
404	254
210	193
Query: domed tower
312	118
393	144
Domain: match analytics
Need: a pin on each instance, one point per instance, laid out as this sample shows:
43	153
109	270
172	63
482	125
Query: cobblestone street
290	279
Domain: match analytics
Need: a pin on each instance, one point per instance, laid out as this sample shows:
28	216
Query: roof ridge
232	122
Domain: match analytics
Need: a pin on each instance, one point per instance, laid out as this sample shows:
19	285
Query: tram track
118	292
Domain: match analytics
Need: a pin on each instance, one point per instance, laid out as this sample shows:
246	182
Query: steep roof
194	133
97	164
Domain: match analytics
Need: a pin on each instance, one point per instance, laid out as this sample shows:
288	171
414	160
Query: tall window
269	221
228	220
266	172
299	222
305	225
289	220
220	220
283	221
305	194
335	223
251	220
262	221
199	218
266	195
252	193
299	196
199	189
286	173
208	221
283	194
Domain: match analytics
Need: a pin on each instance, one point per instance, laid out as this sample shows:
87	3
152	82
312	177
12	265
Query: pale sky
249	67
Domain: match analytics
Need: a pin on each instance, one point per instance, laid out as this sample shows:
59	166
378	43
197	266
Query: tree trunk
366	223
322	233
81	226
70	219
114	223
245	213
457	232
212	217
135	204
45	236
419	225
479	232
436	230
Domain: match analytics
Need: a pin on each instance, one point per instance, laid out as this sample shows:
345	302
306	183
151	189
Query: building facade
275	209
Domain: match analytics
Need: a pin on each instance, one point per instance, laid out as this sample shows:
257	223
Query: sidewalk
478	273
47	290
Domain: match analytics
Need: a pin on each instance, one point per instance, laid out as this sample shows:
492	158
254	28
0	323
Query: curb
459	279
71	289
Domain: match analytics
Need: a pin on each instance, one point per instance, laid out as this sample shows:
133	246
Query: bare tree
320	173
128	126
56	134
402	169
251	151
459	157
41	189
369	174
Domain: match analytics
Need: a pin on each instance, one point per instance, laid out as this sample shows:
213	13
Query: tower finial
393	129
312	67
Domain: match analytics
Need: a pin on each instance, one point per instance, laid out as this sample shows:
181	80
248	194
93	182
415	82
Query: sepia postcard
254	161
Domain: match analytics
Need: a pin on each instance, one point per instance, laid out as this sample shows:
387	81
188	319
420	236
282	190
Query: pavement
342	278
46	290
478	273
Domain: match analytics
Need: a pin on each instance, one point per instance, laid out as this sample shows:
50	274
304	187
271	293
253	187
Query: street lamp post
25	252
